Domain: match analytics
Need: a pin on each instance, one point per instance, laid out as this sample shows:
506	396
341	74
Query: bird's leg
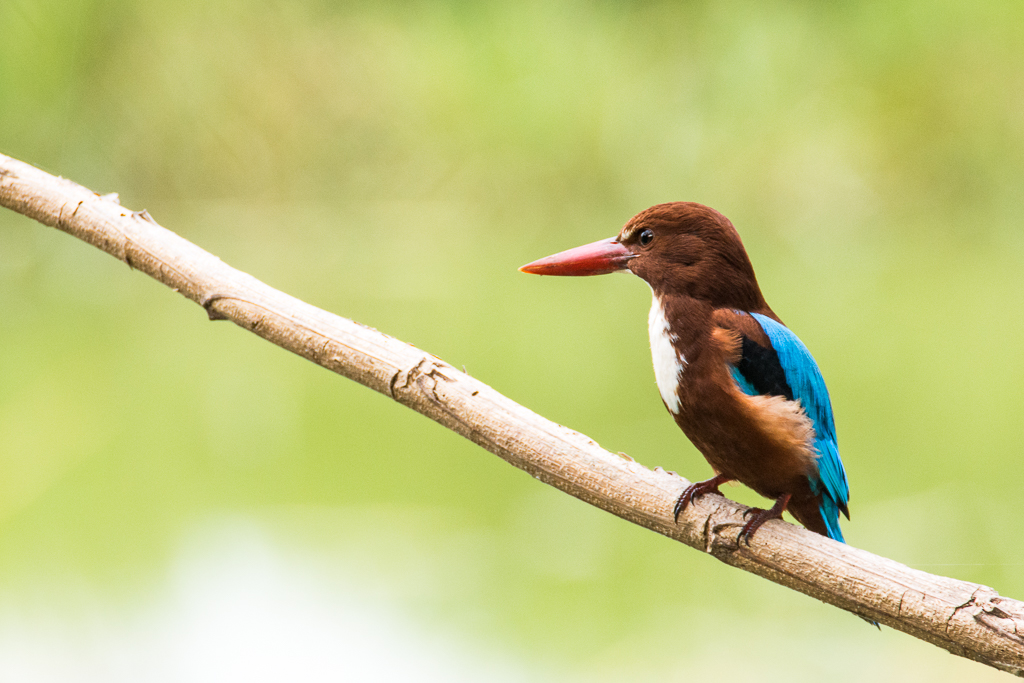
696	491
759	517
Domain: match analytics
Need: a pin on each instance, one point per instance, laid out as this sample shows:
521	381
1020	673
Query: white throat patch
668	363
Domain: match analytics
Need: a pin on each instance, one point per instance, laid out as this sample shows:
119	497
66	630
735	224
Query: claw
696	490
759	517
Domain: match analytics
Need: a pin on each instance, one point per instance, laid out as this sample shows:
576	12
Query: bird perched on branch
738	382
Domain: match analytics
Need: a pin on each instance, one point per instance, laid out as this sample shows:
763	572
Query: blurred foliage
394	162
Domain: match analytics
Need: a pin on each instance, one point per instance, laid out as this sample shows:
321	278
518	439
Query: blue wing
789	370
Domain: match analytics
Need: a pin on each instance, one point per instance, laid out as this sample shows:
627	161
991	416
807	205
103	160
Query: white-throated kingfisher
742	387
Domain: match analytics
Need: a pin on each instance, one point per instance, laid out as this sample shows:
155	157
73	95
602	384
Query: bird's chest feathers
669	363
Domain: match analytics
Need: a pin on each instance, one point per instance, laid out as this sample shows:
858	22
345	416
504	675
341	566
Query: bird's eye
646	237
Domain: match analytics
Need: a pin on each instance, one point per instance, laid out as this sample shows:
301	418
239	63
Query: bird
740	384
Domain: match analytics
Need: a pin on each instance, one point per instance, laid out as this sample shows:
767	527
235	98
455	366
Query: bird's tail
830	515
819	513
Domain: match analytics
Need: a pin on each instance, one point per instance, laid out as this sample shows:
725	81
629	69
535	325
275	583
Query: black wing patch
761	367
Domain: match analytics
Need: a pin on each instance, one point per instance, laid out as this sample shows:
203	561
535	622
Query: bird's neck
684	321
679	327
681	330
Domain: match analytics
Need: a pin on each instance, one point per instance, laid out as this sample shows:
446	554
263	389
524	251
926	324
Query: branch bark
967	619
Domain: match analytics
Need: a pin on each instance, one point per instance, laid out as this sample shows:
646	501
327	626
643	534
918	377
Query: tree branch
967	619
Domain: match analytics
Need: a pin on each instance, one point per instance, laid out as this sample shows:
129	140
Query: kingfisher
742	387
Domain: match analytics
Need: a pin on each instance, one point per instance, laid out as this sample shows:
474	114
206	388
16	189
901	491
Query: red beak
597	258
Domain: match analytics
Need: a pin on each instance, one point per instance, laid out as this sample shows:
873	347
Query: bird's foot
694	491
759	517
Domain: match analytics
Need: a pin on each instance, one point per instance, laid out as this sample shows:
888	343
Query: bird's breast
668	362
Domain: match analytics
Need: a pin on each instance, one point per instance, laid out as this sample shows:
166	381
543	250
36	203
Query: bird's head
680	248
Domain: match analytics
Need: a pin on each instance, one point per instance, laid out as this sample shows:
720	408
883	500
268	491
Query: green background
180	500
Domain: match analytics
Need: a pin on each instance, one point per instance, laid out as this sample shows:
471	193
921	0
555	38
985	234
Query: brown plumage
703	336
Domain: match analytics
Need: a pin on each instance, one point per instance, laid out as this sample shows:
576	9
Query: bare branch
967	619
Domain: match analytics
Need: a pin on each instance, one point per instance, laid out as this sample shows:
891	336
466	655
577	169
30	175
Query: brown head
679	248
